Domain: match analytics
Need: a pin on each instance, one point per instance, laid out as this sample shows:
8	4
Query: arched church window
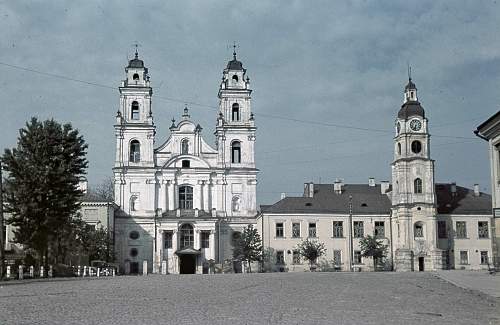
235	112
184	147
235	206
185	197
236	152
136	76
187	236
416	146
135	151
418	230
134	115
399	148
417	185
235	78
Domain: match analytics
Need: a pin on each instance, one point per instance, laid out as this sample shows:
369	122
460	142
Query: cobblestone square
278	298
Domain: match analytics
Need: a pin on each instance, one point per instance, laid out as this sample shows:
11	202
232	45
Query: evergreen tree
372	247
248	247
311	250
42	184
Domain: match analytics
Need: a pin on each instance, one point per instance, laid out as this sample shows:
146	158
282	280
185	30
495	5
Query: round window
235	237
134	235
416	146
134	252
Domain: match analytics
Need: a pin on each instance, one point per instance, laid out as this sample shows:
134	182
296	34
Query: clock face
415	125
398	127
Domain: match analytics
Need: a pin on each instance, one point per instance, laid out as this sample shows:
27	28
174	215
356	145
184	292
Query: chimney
371	182
476	190
311	189
337	186
453	189
384	186
283	195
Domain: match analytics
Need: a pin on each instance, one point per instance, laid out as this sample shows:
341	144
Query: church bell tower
413	189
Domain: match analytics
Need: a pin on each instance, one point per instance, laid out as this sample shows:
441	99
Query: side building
489	130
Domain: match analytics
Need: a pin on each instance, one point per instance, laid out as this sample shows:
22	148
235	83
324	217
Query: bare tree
103	191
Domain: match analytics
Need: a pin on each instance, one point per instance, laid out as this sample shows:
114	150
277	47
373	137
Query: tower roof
136	62
410	85
411	108
234	64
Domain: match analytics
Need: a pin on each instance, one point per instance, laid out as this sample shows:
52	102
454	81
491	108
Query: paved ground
279	298
474	280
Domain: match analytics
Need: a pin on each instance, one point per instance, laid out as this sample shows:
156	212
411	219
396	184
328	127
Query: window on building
235	78
280	257
312	229
134	252
416	146
186	164
379	229
135	151
295	230
185	197
337	257
357	257
442	233
187	236
338	229
399	148
136	76
482	229
205	239
184	147
461	229
134	203
235	238
236	152
167	239
417	185
418	230
134	235
359	230
235	204
296	257
279	230
235	112
484	257
464	257
134	113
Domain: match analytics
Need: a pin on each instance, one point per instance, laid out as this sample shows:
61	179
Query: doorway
188	264
421	263
134	268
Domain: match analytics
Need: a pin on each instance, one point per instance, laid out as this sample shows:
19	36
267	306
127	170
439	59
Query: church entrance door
421	263
188	264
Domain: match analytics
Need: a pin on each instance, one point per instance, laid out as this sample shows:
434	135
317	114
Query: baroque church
182	201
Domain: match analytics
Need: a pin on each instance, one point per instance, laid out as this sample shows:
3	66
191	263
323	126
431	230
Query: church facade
182	200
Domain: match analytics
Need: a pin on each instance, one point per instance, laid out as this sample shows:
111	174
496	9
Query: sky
327	78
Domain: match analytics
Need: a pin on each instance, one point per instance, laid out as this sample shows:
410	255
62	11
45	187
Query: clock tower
413	195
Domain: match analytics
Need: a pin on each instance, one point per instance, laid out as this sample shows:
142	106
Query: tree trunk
374	264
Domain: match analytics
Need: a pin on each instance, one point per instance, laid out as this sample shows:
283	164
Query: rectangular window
461	229
167	239
442	233
484	257
379	229
338	229
482	229
296	230
280	257
359	231
337	257
464	257
205	239
296	257
357	257
312	229
279	230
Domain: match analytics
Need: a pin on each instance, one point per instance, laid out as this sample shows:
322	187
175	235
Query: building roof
365	200
90	198
463	201
136	62
410	85
234	64
368	200
489	128
411	108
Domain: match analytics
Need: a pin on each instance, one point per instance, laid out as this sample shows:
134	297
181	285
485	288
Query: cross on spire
136	45
409	72
234	49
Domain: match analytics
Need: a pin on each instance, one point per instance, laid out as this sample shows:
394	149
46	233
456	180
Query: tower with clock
413	196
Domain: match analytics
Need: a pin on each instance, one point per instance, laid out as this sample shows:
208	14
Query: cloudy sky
327	76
